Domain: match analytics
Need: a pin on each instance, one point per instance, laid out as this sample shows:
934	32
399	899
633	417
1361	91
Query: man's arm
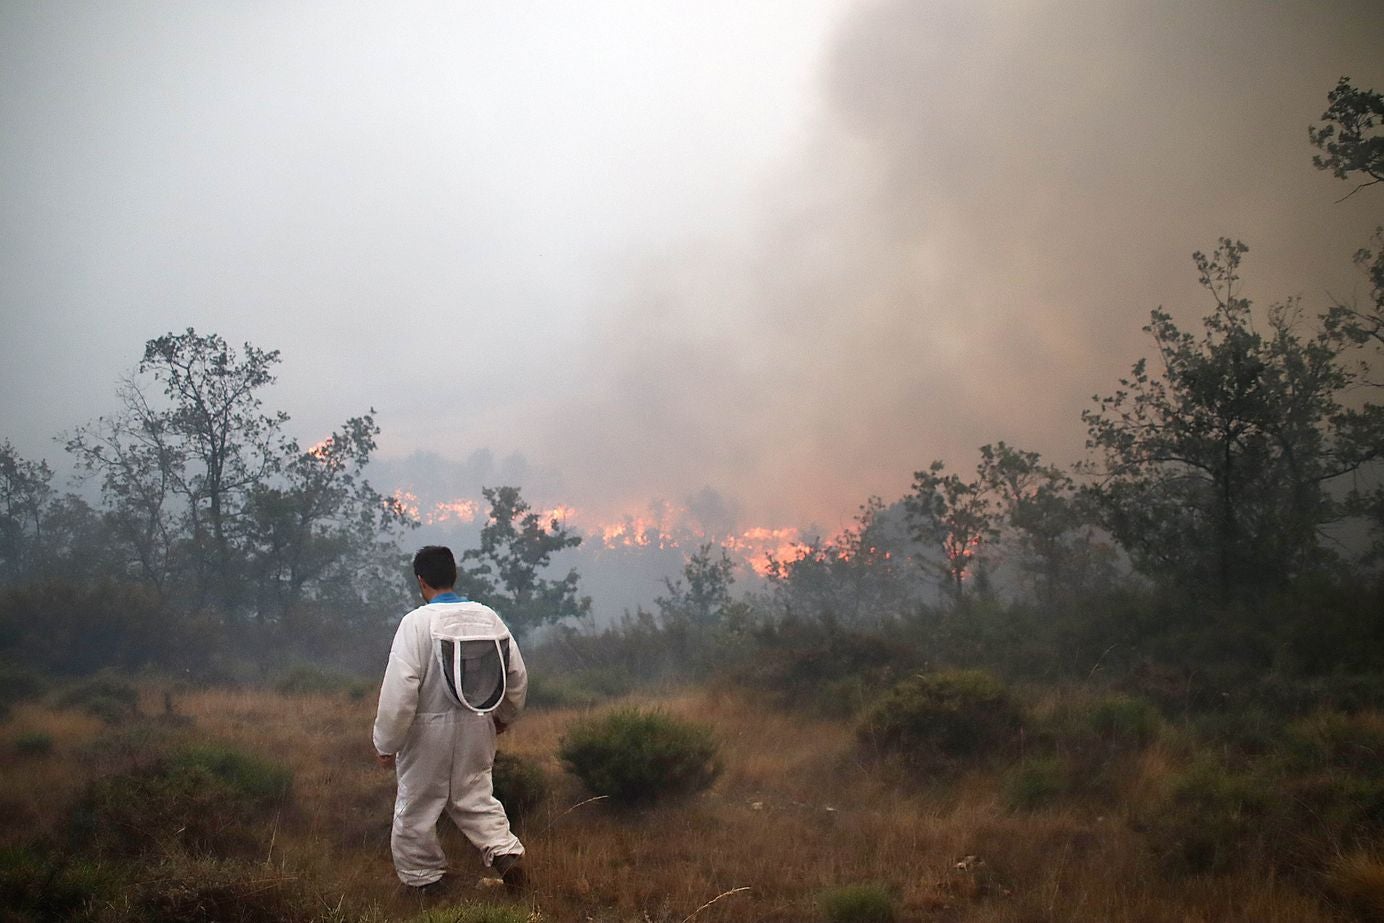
516	689
399	691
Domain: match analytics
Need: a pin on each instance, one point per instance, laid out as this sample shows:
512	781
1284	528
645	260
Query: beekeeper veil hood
471	647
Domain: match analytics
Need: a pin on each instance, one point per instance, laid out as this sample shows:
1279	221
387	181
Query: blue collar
448	597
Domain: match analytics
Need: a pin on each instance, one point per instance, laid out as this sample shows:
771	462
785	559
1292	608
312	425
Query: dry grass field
800	808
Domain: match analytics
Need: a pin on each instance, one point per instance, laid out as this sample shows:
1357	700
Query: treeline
1205	527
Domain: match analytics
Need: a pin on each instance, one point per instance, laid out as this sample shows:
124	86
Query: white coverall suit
444	750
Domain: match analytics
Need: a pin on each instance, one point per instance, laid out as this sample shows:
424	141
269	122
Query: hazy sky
790	251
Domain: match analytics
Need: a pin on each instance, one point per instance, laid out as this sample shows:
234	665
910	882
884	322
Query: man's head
435	566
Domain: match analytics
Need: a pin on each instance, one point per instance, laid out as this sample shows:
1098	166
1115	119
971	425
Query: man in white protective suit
455	680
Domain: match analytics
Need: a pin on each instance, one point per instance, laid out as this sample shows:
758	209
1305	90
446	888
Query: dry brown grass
798	809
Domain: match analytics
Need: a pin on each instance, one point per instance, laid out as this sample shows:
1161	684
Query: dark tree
318	514
506	571
25	493
704	599
861	577
1214	465
957	518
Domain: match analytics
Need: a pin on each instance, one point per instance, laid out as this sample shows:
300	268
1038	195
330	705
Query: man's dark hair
437	567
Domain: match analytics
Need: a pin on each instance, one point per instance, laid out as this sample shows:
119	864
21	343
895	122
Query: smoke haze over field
774	258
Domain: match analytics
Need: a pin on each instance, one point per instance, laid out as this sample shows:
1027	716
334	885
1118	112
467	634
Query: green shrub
204	800
201	890
1249	734
1334	740
108	697
1209	817
39	887
16	684
938	717
857	904
809	666
1123	720
138	743
1035	783
636	757
249	777
33	743
519	784
473	913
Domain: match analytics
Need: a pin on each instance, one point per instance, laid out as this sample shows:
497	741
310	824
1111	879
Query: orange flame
760	546
452	511
408	502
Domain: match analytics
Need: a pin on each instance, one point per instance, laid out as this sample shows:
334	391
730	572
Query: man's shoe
433	888
510	868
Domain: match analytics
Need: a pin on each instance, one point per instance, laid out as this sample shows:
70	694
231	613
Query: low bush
637	757
1209	818
17	684
519	784
1334	740
37	887
201	890
204	800
857	904
473	913
108	697
825	670
33	743
1035	783
934	718
1125	721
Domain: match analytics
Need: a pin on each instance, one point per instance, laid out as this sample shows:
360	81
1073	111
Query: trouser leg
424	782
473	806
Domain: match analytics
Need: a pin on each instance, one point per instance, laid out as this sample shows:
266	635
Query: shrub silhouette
519	784
1036	783
637	757
204	800
33	743
1123	720
857	904
940	717
109	698
16	684
35	886
1209	817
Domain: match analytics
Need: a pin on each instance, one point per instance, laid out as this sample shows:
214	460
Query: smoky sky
765	262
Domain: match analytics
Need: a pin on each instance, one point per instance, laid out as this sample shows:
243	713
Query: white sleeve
516	686
408	659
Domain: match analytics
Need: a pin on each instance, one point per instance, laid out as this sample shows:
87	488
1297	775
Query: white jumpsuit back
444	752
